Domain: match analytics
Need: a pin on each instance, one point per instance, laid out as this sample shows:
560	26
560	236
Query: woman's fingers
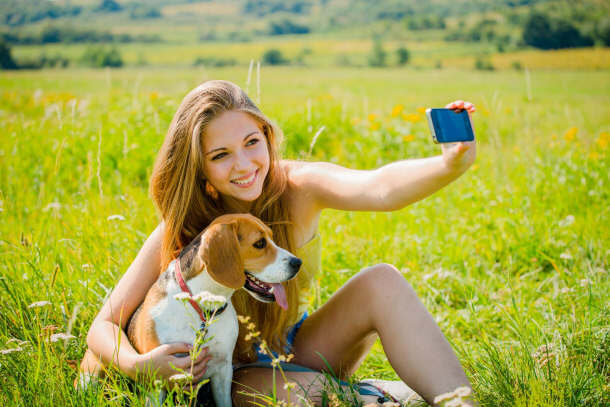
460	104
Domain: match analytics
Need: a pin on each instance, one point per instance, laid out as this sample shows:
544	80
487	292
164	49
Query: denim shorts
263	357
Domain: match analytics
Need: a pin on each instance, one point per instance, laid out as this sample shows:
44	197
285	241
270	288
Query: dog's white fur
175	323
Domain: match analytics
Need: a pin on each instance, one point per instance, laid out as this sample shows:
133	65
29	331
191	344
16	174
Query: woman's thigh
341	332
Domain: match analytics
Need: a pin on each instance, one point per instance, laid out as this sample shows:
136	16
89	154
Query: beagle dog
233	252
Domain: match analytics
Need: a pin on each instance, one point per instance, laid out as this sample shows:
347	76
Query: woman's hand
157	362
459	157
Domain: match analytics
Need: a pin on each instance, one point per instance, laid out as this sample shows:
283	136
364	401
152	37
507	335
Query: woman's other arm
107	339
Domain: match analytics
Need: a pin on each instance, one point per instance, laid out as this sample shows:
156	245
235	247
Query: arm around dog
107	338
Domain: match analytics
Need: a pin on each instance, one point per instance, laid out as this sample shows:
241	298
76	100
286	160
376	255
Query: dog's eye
260	244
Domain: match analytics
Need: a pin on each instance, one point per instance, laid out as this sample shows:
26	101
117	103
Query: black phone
450	126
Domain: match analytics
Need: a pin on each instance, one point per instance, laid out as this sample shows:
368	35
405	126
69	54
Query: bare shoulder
307	174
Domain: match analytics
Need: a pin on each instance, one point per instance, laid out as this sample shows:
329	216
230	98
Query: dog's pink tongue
280	295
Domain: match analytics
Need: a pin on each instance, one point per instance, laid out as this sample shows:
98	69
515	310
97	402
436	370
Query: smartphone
450	126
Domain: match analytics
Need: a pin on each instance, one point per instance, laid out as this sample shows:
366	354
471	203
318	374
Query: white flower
60	336
445	396
463	391
39	304
207	297
181	377
182	296
7	351
567	221
565	256
52	205
585	282
117	217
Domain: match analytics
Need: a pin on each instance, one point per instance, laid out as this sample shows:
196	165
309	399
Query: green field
510	258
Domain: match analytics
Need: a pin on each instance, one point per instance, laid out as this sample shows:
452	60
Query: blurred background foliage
31	30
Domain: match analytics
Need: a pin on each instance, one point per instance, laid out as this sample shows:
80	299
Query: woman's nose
243	162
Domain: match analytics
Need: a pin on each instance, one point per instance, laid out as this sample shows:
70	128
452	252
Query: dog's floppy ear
221	253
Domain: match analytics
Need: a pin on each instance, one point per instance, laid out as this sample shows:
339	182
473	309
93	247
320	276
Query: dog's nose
295	264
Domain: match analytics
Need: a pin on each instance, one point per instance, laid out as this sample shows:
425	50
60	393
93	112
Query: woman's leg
377	301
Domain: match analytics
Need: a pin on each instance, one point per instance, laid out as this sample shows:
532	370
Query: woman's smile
246	181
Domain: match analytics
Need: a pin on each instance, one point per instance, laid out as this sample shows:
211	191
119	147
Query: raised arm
388	188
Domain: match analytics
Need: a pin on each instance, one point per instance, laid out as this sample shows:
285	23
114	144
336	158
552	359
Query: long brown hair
188	203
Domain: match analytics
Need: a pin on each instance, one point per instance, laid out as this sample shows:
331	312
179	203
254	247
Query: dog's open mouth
266	292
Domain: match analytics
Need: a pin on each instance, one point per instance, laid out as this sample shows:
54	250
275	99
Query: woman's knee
383	280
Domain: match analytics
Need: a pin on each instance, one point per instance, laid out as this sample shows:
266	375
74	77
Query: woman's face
236	158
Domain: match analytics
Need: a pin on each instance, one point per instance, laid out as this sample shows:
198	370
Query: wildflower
181	377
375	126
372	117
445	396
61	336
463	391
182	296
207	297
413	118
421	110
117	217
52	205
570	135
567	221
585	282
408	137
7	351
602	140
397	110
566	290
289	386
39	304
565	256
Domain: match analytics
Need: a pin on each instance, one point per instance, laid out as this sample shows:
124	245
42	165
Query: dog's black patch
187	255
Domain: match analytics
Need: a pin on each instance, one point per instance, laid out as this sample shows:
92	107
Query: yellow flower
154	96
570	134
413	118
421	110
408	137
397	110
372	117
375	126
603	139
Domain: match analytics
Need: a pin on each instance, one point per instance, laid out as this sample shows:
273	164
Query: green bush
274	57
100	57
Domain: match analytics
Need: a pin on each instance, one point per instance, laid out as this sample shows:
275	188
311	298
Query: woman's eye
217	156
251	142
260	244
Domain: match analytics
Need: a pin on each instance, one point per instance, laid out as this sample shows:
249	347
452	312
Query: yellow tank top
311	255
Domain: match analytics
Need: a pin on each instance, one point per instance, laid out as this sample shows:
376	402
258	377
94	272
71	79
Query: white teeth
271	290
245	181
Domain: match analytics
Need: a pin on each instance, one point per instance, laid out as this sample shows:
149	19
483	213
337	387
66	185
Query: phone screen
449	126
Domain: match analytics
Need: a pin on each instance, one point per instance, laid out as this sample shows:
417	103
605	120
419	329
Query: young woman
220	156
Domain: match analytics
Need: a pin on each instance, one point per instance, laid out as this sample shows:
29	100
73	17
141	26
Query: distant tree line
18	12
68	35
265	7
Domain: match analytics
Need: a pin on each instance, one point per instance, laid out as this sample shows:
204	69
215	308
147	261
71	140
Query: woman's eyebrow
224	148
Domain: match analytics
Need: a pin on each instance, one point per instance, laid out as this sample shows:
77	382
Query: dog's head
237	251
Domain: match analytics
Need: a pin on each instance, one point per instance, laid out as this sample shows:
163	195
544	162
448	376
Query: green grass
512	256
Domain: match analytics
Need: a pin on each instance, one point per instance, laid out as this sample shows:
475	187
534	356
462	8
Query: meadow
511	259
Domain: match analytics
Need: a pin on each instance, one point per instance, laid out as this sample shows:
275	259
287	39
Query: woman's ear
221	253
